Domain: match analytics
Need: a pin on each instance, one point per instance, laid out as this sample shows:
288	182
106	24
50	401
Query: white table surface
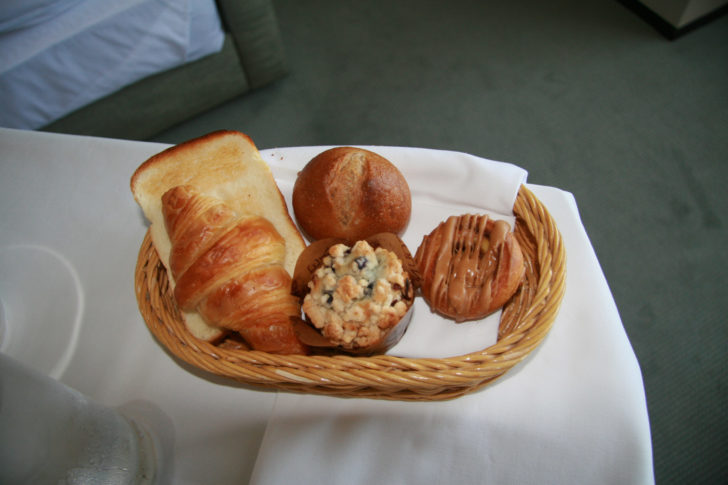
70	195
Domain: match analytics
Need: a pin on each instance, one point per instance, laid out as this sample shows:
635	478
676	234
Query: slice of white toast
222	164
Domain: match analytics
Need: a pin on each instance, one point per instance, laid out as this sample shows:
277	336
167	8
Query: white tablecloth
573	412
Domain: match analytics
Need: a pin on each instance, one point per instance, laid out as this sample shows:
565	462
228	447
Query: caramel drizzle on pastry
464	263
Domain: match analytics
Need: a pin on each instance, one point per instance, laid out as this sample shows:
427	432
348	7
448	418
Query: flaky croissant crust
229	268
470	266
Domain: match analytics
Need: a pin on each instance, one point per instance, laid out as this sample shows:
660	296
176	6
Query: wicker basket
525	322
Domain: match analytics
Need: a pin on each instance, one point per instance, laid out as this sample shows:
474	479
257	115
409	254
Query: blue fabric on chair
18	14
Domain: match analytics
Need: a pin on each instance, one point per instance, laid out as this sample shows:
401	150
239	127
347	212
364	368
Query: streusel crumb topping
358	294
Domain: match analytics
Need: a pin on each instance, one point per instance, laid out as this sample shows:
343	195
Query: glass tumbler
50	433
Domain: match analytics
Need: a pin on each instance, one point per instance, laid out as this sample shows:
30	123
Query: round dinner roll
351	193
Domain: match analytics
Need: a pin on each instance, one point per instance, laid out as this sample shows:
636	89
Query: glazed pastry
229	269
470	266
358	295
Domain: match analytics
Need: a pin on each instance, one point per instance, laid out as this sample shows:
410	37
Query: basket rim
383	376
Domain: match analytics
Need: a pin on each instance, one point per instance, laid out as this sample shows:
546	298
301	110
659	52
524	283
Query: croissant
470	266
229	268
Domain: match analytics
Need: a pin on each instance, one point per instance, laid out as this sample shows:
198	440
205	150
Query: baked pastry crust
470	266
229	269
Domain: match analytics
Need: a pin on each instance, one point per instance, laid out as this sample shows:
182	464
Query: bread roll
351	193
224	166
470	266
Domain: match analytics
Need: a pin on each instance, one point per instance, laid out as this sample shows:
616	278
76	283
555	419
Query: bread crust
351	193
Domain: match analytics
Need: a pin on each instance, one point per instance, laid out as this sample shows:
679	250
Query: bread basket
525	322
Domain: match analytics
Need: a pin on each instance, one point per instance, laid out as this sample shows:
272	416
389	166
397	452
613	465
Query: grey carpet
586	97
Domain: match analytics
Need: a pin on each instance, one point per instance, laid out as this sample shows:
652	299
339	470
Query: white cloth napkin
573	412
443	183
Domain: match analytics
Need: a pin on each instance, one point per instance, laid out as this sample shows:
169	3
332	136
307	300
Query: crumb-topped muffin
357	295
